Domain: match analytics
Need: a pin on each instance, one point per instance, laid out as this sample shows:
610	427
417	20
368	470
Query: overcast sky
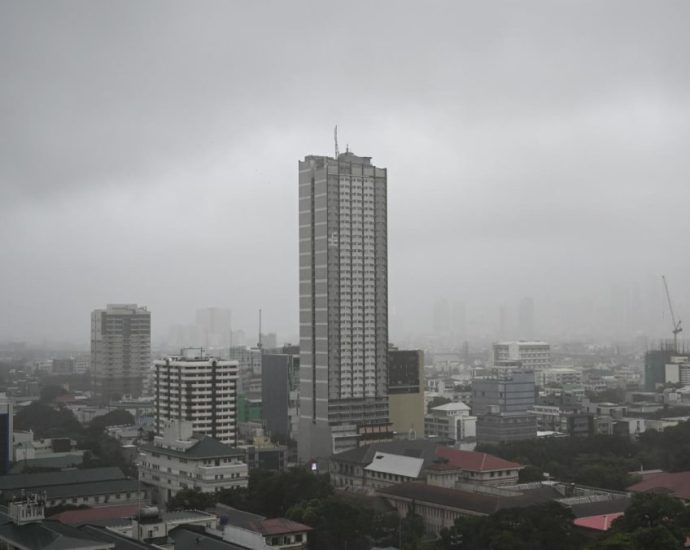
148	153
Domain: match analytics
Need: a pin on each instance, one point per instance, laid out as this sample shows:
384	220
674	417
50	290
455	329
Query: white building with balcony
178	460
199	389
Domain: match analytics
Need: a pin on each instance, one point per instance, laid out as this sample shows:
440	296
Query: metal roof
405	466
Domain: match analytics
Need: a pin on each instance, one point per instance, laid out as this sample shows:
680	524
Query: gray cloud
148	153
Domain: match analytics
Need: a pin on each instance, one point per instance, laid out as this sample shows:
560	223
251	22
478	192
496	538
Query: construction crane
677	329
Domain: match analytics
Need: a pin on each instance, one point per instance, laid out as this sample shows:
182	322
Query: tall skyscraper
198	389
343	262
120	350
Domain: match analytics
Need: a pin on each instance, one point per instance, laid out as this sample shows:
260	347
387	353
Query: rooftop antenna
335	136
259	345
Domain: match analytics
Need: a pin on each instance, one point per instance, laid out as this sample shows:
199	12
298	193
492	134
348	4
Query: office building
406	391
199	389
535	356
178	459
280	395
214	325
495	427
343	262
120	350
511	391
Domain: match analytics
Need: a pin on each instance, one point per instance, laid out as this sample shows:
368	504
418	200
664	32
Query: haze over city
149	154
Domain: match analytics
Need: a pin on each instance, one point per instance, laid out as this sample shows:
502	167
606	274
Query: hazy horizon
149	155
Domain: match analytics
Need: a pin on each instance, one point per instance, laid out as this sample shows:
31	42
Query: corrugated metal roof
406	466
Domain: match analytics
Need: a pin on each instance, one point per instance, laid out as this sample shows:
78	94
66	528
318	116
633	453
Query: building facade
406	391
280	394
120	350
343	266
6	433
451	421
512	390
532	355
177	460
198	389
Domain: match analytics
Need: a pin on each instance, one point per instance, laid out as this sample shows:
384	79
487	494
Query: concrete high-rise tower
343	262
120	350
199	389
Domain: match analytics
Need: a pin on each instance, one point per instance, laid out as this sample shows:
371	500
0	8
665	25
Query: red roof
599	523
281	526
87	515
473	461
677	484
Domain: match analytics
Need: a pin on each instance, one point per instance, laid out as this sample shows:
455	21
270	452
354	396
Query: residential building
280	394
406	391
198	389
6	433
177	460
451	421
535	356
343	302
255	532
120	350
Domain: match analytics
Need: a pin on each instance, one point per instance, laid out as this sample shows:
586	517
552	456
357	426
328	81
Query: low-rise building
256	532
384	464
90	487
451	421
468	467
495	428
177	460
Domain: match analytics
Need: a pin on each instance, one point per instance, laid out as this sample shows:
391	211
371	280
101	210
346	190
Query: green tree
337	524
191	499
50	392
651	522
47	421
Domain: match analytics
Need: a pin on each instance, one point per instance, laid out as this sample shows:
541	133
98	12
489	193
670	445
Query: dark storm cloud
136	134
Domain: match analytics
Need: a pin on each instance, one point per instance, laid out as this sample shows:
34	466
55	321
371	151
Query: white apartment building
176	460
532	355
198	389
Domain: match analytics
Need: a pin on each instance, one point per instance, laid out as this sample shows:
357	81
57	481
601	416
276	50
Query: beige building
120	350
406	392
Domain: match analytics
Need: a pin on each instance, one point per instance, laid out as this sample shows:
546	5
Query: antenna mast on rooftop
335	136
259	345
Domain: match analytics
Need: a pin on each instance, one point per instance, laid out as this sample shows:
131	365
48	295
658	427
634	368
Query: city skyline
141	157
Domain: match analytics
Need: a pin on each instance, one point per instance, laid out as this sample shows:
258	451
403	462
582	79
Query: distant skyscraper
442	317
526	319
120	350
214	327
459	319
343	302
200	389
